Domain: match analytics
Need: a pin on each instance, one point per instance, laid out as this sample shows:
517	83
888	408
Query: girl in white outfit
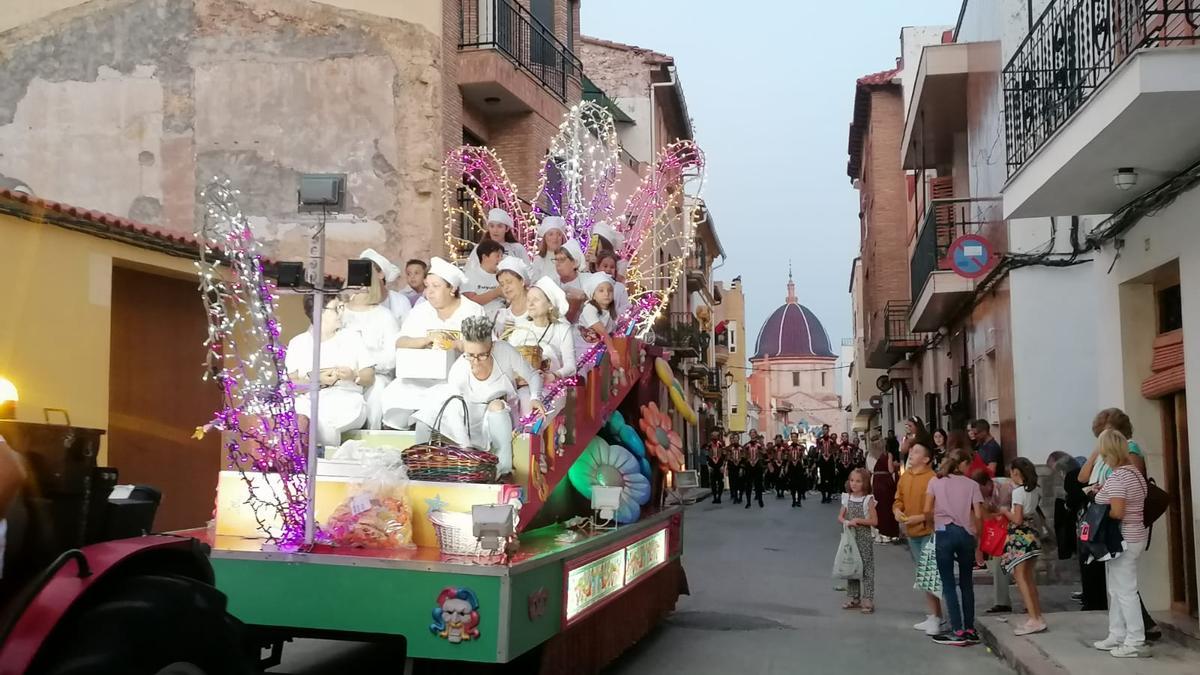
596	321
379	330
485	376
482	287
498	228
553	233
346	369
434	324
606	261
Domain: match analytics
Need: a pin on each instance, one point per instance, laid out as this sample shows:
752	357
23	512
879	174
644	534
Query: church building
793	375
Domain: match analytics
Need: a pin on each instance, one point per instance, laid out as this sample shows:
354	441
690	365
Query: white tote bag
847	564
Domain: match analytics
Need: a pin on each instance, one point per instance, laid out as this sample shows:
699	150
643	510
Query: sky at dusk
771	101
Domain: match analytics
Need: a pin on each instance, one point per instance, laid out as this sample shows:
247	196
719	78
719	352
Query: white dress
556	340
585	337
507	365
480	281
379	330
406	393
398	304
342	406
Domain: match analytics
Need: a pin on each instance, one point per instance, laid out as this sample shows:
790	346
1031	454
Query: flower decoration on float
245	357
662	443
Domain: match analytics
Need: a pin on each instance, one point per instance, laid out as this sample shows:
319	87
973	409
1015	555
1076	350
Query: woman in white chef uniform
498	228
553	233
394	301
485	376
346	369
435	323
513	279
379	328
544	325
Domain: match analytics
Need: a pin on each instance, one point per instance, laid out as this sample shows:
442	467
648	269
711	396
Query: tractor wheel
148	625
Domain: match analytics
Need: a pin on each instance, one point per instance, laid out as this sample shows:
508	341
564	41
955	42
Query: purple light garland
257	397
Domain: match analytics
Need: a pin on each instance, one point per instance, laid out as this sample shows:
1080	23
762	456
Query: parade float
565	565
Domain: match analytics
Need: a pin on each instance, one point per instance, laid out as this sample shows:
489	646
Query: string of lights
245	355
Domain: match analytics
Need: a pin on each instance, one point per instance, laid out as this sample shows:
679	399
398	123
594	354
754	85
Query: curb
1023	655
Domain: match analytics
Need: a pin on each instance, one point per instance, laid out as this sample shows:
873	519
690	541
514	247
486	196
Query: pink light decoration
246	358
654	196
481	177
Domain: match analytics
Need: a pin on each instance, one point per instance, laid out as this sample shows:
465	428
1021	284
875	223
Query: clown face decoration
456	618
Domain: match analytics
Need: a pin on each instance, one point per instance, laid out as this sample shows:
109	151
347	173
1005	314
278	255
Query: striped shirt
1127	483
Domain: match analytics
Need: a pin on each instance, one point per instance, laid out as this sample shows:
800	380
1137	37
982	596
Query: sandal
851	604
868	609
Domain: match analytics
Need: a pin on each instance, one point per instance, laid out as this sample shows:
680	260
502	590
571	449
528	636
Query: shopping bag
995	536
928	579
847	564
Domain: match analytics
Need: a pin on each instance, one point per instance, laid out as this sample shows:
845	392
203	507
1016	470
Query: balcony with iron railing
937	291
1130	68
682	333
897	338
507	28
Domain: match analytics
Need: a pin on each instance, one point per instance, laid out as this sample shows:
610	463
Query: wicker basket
454	533
440	460
532	355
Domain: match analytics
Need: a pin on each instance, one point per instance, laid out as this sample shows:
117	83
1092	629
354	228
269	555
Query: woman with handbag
485	379
1023	546
1124	492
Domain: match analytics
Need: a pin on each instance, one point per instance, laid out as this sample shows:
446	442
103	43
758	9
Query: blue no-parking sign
971	256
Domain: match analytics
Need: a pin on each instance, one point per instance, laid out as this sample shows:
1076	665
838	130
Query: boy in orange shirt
909	509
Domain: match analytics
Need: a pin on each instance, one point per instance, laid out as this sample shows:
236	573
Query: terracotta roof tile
651	55
107	220
882	77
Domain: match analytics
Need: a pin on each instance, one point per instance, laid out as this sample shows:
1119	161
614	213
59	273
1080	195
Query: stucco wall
70	308
131	106
1126	325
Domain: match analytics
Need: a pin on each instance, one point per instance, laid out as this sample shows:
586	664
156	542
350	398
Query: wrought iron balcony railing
945	221
509	28
895	327
1071	50
683	333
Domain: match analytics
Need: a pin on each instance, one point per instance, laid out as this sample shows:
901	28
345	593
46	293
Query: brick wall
884	200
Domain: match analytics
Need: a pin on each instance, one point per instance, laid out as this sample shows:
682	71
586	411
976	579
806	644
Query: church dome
792	331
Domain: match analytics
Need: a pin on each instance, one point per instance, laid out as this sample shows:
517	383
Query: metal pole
316	277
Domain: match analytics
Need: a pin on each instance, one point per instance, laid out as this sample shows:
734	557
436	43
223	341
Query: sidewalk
1067	648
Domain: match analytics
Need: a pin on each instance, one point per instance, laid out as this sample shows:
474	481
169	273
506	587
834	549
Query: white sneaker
1126	652
930	621
1107	644
938	628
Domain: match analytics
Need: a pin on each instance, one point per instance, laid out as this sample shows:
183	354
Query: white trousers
374	397
1124	607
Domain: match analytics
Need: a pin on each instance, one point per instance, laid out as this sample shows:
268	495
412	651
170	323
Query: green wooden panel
527	628
358	599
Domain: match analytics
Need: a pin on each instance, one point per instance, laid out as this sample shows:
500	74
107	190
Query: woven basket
454	533
450	464
532	355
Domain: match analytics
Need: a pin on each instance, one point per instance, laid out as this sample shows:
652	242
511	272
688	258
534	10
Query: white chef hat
516	266
593	281
558	298
500	216
390	271
573	249
552	223
447	272
608	232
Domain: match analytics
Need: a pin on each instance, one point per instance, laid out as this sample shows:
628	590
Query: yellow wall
55	313
733	308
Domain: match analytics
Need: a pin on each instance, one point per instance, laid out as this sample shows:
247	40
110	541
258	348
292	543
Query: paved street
763	603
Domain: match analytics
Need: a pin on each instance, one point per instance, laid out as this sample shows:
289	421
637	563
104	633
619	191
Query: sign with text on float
597	580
